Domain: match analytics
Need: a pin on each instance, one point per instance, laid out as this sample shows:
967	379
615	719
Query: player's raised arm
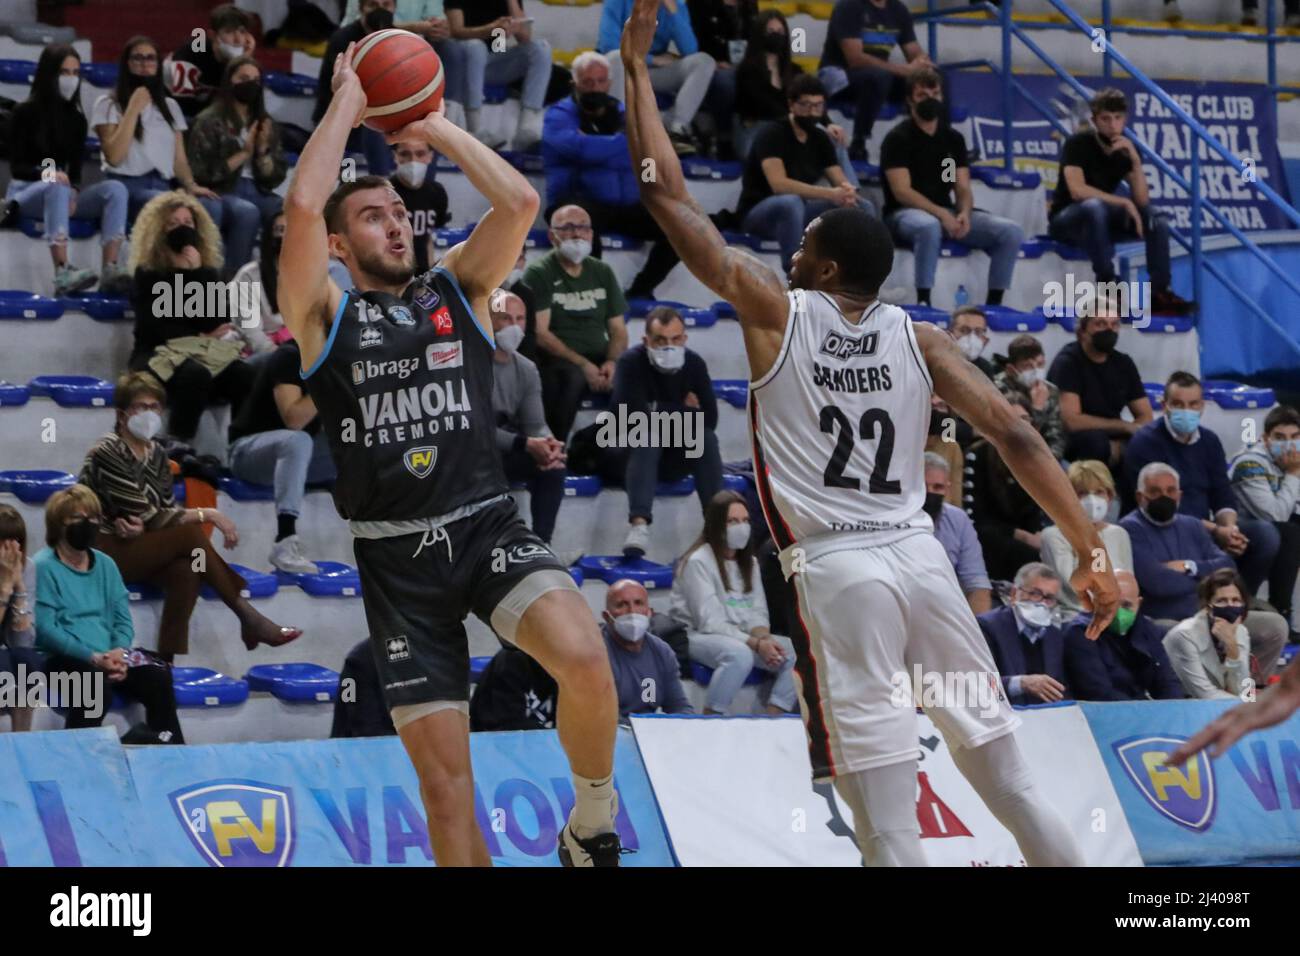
752	287
307	295
971	395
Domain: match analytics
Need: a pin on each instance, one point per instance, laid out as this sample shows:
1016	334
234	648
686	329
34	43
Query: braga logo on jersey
442	323
420	461
840	346
363	372
444	355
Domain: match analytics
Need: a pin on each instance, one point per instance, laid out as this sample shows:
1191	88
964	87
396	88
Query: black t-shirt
806	162
192	77
259	412
715	22
479	13
756	98
879	28
428	208
1104	388
924	157
1101	170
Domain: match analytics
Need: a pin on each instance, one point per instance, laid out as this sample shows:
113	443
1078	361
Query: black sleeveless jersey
403	388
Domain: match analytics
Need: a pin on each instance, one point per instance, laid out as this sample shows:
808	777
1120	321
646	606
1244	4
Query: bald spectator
529	452
645	667
956	533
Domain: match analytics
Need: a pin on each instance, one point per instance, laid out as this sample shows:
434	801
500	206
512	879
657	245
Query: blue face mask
1279	448
1184	420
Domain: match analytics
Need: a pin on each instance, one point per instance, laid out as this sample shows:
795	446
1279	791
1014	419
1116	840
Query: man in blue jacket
1028	647
584	149
686	72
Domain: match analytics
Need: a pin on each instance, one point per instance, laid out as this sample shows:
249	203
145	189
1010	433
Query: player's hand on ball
1098	592
346	83
422	130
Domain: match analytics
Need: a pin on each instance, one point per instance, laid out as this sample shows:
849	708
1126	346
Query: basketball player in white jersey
839	407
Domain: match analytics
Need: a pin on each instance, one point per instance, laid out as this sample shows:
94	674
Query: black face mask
1105	341
182	236
593	101
378	20
1232	613
775	42
807	123
933	505
79	534
134	80
1161	509
248	92
928	109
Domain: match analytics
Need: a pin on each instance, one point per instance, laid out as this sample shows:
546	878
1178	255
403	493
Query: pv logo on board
1183	794
237	822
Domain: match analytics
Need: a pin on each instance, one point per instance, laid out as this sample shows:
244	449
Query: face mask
1279	448
1161	510
971	346
509	338
232	50
737	536
927	109
68	86
135	79
144	425
575	250
593	101
1034	613
248	92
1232	613
412	174
807	123
1032	376
632	627
933	505
182	236
378	20
1123	620
79	534
1094	506
1184	420
669	358
1105	342
775	42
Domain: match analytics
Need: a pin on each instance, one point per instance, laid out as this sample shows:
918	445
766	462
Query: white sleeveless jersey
839	425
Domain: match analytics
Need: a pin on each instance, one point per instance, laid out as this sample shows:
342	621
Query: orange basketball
402	77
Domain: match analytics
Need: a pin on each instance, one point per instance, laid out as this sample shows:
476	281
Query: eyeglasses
145	407
143	58
572	230
1033	594
813	106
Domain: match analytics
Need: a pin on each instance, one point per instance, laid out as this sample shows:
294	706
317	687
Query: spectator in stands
584	148
781	194
859	38
1266	480
151	539
49	127
513	693
260	324
580	328
83	618
529	452
956	533
483	28
1026	642
235	151
1179	439
1025	373
196	70
363	713
1008	521
17	603
515	283
949	436
722	28
685	72
1172	552
374	15
423	196
662	375
1128	661
969	328
762	78
1088	211
645	667
175	245
717	598
276	440
1097	382
1249	13
1210	651
1095	487
928	194
139	128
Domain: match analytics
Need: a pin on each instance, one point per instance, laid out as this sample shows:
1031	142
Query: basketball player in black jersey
400	367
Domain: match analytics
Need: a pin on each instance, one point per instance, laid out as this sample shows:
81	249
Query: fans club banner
1239	115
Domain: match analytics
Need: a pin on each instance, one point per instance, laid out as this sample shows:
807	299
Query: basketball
402	76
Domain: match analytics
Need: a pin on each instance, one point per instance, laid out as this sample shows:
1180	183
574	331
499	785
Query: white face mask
508	339
1031	376
412	173
1094	506
669	358
68	86
632	627
575	250
1034	614
144	425
971	346
737	535
232	50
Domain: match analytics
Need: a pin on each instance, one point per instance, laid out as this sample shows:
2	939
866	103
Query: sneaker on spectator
1168	302
683	141
115	281
1172	13
287	556
858	152
69	279
9	215
637	542
1249	18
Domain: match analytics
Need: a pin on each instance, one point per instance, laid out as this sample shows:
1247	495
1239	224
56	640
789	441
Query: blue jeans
139	190
268	204
646	467
286	459
1095	225
105	201
239	220
452	54
784	217
732	660
1257	562
379	155
999	237
530	62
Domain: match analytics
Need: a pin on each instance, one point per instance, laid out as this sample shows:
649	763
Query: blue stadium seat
257	584
101	75
579	578
750	242
18	72
676	489
1166	324
610	568
73	391
927	313
702	675
290	84
242	490
999	177
444	238
477	665
1227	394
34	228
733	391
596	400
724	310
695	167
101	308
617	242
333	579
581	486
295	682
867	172
524	162
178	492
33	487
1003	319
204	687
1155	394
91	150
13	395
1057	318
537	239
740	484
21	304
638	308
495	93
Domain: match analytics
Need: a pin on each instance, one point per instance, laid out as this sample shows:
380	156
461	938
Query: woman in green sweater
83	618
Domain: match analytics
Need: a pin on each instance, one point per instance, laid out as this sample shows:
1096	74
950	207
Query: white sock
593	807
1002	779
529	130
883	801
472	121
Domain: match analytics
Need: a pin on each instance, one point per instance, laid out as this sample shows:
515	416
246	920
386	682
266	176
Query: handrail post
1196	221
1270	20
1105	26
932	31
1004	14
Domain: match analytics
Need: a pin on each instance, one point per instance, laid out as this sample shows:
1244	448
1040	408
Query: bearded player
400	367
839	406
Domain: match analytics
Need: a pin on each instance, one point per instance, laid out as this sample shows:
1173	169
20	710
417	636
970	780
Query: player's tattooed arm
971	395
